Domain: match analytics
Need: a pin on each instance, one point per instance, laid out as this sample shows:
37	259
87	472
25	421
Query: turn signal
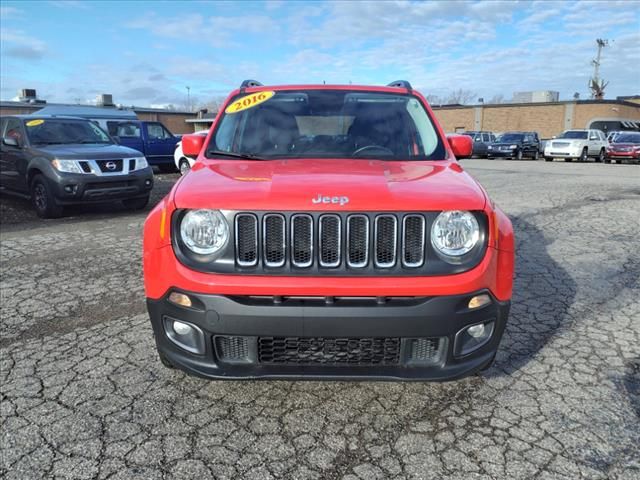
180	299
479	301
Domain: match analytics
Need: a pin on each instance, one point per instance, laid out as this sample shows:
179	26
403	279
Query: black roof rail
400	84
250	83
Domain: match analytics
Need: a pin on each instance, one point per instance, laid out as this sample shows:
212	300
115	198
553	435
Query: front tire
536	155
548	159
568	159
42	198
584	155
607	160
185	166
601	156
136	203
519	154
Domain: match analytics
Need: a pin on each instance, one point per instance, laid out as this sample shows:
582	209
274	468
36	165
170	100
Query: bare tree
461	97
499	98
434	100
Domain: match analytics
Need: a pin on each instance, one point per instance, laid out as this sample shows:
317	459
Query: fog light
147	182
479	301
182	328
186	335
473	337
476	331
180	299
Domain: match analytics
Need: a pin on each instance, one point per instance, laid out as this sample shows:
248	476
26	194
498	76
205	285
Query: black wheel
489	157
584	155
548	159
536	155
568	159
617	161
167	168
165	361
519	154
601	156
42	198
184	166
607	160
136	203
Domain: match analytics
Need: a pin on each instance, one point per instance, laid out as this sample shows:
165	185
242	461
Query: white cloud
18	44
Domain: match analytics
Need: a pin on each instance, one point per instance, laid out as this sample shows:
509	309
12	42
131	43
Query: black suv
61	161
515	145
481	140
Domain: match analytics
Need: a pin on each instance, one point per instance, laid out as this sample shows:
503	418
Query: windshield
627	138
326	124
574	134
64	131
509	137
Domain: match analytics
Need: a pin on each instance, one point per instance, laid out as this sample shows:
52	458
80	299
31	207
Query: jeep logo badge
333	200
110	165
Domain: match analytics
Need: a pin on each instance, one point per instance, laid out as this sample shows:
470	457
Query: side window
485	138
112	127
157	132
124	129
3	123
13	129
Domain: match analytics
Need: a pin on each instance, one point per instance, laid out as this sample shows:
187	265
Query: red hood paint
370	185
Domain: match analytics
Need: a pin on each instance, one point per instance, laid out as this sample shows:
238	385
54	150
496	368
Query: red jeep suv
328	232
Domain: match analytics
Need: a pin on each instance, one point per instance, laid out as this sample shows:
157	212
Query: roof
538	104
132	108
88	112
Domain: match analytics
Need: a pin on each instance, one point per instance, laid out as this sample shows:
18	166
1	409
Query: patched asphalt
83	394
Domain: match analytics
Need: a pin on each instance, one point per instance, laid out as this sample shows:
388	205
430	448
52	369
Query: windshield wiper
49	143
92	141
245	156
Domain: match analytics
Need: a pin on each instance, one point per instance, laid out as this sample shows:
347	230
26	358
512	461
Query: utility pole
596	85
188	98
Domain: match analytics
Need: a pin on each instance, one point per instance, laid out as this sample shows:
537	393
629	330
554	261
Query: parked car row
571	145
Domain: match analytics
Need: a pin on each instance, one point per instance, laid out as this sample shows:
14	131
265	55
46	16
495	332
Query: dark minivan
515	145
60	161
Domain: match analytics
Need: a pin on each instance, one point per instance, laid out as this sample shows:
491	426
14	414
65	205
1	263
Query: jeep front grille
330	241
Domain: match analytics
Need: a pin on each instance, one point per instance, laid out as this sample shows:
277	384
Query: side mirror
461	145
593	137
11	141
192	144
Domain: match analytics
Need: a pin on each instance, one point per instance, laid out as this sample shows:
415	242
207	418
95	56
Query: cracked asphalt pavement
83	394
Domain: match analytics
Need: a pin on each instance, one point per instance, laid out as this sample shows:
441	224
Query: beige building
548	119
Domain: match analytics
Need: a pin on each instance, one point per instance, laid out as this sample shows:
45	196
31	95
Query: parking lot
84	395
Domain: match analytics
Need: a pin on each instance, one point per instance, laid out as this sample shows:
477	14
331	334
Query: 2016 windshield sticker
34	123
249	101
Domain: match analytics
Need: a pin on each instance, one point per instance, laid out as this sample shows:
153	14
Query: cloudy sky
147	53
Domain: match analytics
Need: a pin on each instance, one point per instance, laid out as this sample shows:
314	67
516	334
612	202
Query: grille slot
329	351
358	241
246	240
232	349
330	240
274	240
385	241
424	350
413	240
302	240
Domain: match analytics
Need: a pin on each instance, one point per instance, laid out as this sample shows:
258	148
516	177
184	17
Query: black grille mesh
329	240
424	349
385	240
413	240
274	243
302	241
328	351
358	240
232	348
247	248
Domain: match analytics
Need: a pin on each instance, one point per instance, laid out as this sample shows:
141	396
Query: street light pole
188	98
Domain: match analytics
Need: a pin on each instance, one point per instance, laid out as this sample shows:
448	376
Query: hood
331	184
94	151
503	144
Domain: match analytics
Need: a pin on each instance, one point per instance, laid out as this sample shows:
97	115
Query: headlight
141	163
490	147
69	166
455	233
513	146
204	231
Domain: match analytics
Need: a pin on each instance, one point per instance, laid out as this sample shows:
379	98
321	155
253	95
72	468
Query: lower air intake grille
232	349
328	351
425	349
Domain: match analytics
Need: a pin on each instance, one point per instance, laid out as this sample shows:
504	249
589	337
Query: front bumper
86	188
501	153
315	320
623	155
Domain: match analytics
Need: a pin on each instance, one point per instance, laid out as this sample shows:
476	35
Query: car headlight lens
513	146
141	162
204	231
455	233
69	166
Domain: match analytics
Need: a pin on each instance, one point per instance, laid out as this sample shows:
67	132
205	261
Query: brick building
548	119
